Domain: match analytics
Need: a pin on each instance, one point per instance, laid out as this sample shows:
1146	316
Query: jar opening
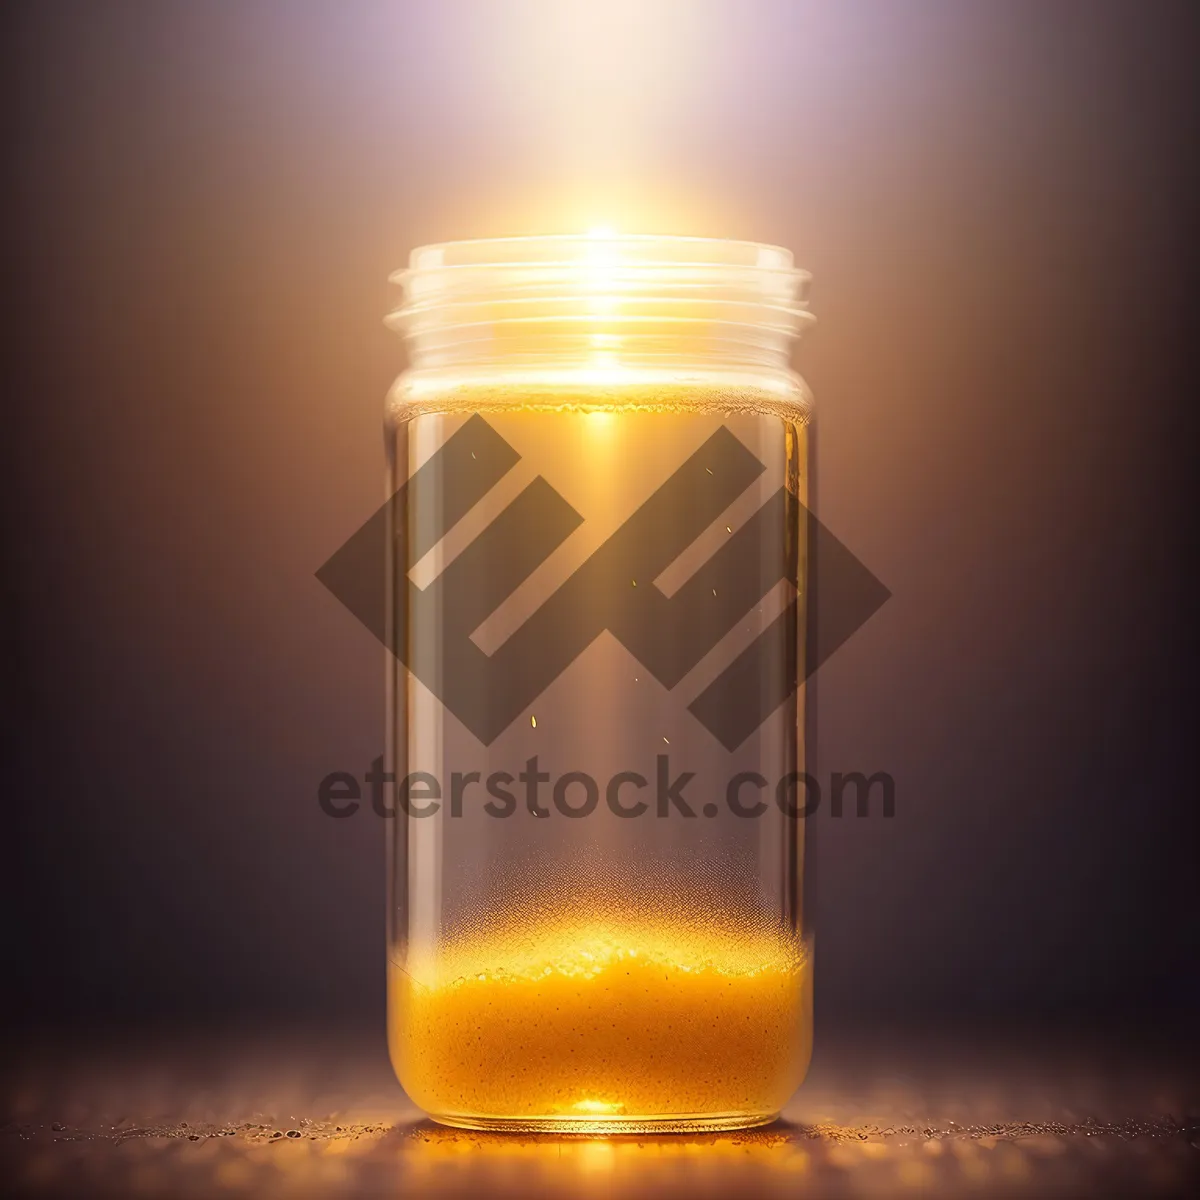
619	298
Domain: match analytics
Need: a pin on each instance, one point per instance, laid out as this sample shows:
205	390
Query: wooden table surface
322	1115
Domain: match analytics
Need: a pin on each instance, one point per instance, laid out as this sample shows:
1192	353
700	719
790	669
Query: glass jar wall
596	703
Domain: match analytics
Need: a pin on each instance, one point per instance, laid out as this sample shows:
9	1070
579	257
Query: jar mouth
645	248
630	294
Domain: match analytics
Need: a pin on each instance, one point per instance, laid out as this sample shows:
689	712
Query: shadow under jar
596	707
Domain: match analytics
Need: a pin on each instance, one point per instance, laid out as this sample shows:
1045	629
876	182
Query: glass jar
596	707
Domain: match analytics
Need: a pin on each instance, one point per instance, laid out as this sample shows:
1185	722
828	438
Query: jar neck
601	305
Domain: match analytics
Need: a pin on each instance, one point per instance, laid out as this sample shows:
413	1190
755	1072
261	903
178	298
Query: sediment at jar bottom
604	1027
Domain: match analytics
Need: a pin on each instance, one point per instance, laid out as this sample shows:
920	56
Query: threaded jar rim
629	296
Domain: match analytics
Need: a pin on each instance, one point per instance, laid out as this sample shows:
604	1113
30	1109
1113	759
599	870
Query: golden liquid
587	1029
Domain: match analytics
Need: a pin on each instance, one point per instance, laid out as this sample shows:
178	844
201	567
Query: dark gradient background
203	204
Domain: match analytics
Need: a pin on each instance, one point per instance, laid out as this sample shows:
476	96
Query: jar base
609	1126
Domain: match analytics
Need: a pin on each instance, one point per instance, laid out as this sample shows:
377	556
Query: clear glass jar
596	703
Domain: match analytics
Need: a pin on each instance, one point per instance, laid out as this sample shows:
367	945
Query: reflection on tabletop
297	1117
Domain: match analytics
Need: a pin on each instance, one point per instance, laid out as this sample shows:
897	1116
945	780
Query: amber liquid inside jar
596	708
